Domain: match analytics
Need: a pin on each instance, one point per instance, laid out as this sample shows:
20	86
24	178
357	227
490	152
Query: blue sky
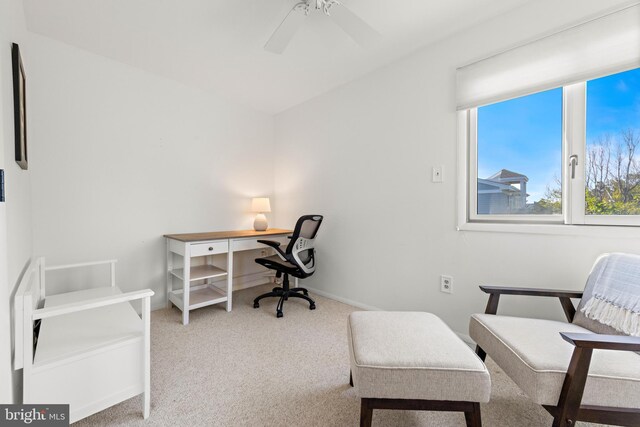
613	103
524	135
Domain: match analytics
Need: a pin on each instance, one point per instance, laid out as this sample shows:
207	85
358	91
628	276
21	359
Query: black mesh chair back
301	248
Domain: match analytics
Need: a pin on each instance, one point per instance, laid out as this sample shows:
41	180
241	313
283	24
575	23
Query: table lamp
260	205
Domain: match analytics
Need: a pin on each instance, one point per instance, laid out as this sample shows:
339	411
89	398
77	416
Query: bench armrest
564	296
83	264
89	304
604	342
112	267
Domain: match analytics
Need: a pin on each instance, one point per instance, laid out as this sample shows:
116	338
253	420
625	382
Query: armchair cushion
536	358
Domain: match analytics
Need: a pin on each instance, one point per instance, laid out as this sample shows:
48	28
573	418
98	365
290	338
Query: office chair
298	260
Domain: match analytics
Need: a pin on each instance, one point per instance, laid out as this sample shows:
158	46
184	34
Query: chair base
471	409
284	293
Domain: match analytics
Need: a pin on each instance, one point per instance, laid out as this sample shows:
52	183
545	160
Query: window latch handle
573	162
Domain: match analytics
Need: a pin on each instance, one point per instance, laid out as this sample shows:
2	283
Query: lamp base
260	223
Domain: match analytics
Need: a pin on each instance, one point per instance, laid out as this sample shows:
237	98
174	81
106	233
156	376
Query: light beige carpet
248	368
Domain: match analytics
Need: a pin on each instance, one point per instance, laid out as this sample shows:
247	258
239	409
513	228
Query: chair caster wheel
279	314
312	307
256	305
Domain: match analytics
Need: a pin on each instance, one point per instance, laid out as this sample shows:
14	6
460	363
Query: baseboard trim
344	300
249	281
243	281
464	337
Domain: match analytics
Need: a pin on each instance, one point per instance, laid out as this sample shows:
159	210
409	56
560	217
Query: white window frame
574	140
573	189
473	185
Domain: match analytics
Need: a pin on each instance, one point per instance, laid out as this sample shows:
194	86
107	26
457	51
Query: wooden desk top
219	235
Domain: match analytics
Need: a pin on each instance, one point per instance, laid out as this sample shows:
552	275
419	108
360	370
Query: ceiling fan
351	23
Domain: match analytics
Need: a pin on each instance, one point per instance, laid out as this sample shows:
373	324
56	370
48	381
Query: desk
204	245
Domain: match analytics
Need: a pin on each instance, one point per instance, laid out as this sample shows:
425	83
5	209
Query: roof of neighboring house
507	174
497	187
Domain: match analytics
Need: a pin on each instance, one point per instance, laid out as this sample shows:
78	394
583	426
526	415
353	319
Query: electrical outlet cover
446	284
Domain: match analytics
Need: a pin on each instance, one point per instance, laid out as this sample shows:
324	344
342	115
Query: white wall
15	214
121	157
362	156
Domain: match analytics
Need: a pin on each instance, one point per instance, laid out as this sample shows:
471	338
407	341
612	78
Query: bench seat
84	331
412	360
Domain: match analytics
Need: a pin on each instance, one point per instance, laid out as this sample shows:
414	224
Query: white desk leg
186	284
297	284
229	275
147	355
169	276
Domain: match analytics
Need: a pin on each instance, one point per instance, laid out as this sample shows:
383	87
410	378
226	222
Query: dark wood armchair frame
569	408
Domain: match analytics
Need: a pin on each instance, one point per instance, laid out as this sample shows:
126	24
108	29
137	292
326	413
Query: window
549	131
567	155
519	155
612	176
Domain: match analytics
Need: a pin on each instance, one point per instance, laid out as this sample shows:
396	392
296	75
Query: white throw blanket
616	294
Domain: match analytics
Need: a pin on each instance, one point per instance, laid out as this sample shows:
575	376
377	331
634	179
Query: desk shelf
200	272
199	296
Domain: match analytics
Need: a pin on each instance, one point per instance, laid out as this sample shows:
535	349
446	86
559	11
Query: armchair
579	370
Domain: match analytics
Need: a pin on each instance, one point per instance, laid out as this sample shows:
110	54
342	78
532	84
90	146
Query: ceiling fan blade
281	37
352	24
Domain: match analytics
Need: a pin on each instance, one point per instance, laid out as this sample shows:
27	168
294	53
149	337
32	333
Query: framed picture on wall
20	107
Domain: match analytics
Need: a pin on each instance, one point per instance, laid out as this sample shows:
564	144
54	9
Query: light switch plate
437	174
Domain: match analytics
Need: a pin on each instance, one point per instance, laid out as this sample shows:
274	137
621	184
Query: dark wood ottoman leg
366	413
481	353
473	417
351	378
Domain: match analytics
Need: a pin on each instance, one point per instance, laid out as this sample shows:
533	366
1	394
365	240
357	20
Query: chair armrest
507	290
271	243
564	296
604	342
88	304
570	400
275	245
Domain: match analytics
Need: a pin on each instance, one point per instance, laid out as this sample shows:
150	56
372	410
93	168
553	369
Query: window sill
617	231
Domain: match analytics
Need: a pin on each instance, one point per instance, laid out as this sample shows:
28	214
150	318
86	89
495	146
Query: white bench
91	349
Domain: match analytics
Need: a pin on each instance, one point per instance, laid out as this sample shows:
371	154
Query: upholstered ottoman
413	361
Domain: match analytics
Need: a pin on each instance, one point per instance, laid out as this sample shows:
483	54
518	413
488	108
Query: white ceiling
217	45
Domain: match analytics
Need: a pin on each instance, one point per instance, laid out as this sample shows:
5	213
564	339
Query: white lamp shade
260	204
